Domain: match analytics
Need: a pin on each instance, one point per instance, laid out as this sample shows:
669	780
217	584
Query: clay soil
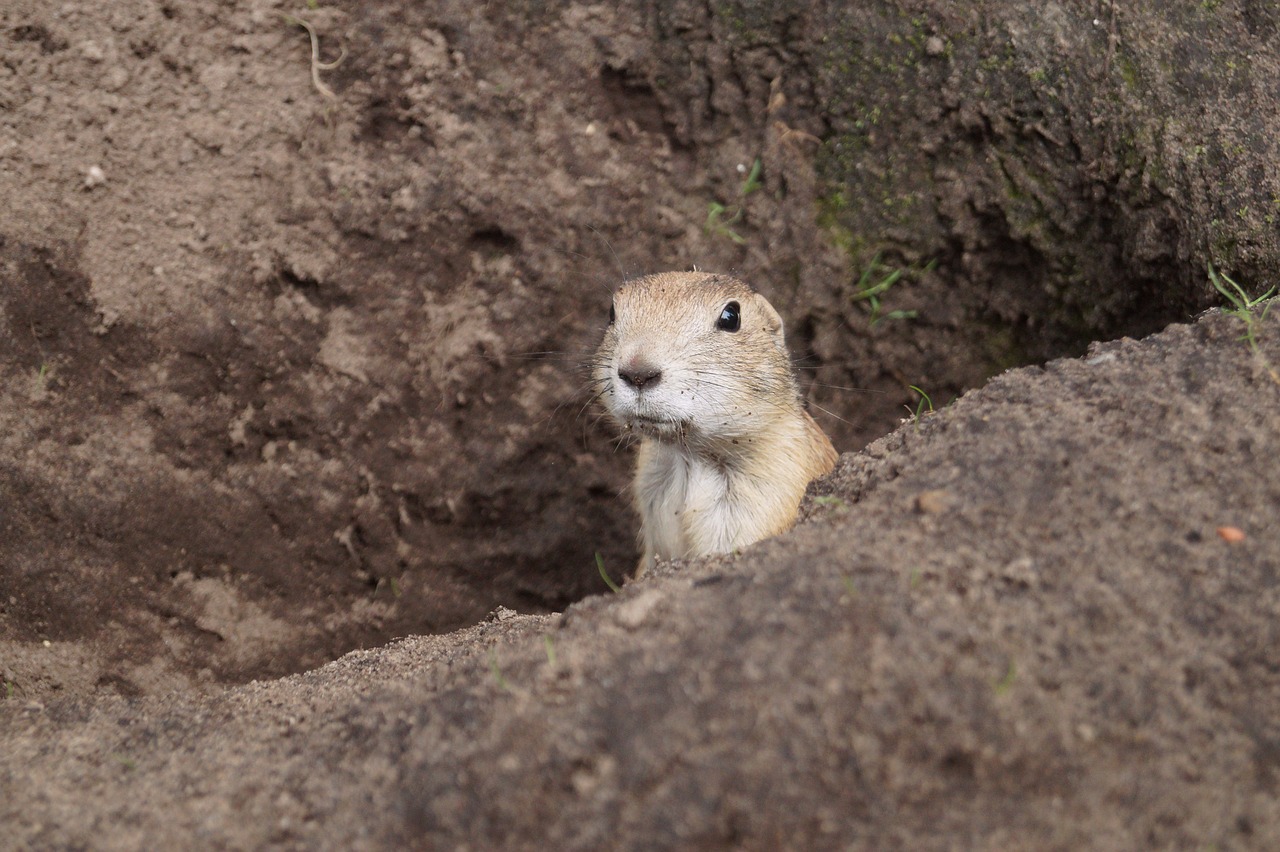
302	490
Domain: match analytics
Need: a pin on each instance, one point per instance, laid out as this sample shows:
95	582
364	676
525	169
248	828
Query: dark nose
639	374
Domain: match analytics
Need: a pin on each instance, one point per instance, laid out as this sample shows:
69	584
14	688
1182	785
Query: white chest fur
672	489
692	505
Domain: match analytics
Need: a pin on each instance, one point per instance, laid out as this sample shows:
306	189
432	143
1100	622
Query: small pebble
1231	535
934	502
92	51
634	612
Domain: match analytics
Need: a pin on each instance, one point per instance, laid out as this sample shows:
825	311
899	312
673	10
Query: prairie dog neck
697	365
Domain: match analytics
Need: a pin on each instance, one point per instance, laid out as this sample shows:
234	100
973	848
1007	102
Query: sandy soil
999	627
290	369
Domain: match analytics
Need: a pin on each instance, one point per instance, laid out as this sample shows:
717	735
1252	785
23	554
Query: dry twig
316	65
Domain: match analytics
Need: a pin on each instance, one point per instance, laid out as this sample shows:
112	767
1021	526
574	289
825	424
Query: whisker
565	357
829	413
587	405
624	440
849	389
617	260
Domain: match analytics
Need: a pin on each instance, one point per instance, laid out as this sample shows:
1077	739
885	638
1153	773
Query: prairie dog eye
613	314
730	317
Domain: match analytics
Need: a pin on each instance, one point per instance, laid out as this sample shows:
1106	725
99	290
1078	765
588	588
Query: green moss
1000	61
748	21
1002	350
1128	70
1222	244
1129	153
830	209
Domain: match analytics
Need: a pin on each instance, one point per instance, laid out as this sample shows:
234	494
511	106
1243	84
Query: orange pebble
1231	534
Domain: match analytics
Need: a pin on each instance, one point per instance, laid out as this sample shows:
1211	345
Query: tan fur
726	447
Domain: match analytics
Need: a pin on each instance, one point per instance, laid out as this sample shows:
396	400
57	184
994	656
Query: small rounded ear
772	322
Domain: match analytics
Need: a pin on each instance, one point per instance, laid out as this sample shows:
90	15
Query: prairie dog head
692	357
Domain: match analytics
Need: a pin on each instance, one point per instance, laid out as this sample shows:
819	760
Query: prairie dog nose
639	373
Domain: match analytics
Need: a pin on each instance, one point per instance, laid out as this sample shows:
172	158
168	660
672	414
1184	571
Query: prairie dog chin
696	364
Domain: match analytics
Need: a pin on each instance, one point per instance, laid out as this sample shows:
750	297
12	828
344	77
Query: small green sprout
390	583
1244	308
720	220
608	581
1241	304
1006	682
497	671
753	182
923	406
871	291
719	226
43	376
550	645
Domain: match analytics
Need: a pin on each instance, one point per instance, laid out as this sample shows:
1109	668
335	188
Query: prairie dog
697	365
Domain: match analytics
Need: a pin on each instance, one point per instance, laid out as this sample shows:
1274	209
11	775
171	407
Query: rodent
696	364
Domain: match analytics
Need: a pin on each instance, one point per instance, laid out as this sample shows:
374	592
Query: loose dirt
301	486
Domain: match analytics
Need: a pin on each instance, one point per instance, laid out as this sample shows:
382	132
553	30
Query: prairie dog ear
772	322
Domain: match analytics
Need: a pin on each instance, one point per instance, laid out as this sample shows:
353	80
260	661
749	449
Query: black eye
612	315
730	318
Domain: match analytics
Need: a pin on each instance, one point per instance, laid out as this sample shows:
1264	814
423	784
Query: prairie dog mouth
656	427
